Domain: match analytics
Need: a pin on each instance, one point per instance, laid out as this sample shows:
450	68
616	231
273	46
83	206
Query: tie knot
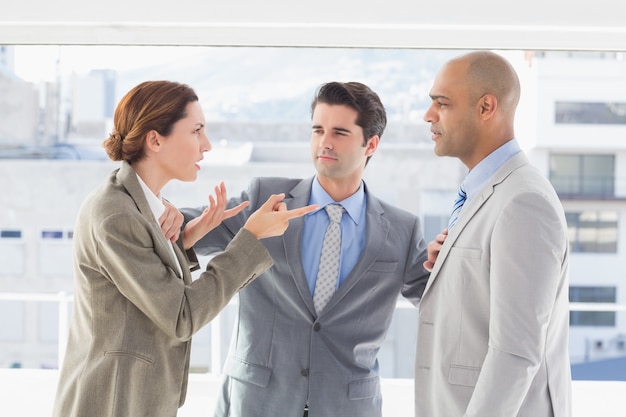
461	194
335	211
458	205
462	188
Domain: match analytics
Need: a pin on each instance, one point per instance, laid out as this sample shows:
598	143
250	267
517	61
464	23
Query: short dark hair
372	117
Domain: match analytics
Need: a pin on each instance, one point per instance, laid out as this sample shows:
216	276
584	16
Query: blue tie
458	205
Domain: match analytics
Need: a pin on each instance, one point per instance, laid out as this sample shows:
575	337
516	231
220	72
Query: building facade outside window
590	113
592	295
583	176
593	231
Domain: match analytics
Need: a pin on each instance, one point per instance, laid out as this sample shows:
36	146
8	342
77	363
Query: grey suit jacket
128	347
282	355
493	326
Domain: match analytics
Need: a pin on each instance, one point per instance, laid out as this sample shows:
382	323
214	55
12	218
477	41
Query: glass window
574	175
48	321
593	231
52	234
592	295
433	225
258	118
10	234
12	322
590	113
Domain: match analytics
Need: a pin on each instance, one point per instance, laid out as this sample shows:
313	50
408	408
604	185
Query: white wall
492	24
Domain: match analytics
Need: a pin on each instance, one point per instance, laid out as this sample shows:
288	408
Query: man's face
337	147
454	118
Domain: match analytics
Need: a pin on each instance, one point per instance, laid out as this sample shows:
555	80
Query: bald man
494	318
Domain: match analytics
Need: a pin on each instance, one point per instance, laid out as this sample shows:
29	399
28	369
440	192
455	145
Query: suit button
304	372
317	327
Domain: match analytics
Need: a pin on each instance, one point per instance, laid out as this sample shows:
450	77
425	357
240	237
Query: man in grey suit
493	321
289	357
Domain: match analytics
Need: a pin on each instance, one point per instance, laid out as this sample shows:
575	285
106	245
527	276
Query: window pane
590	113
597	175
592	318
592	295
10	234
12	323
564	173
607	231
433	225
593	231
583	175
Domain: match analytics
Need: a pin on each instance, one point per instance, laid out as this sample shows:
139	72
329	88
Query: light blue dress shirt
485	169
352	232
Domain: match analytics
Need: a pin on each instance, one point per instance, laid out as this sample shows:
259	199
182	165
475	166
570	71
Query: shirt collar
485	169
156	205
353	205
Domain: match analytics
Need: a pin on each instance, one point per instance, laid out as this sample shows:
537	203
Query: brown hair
151	105
372	117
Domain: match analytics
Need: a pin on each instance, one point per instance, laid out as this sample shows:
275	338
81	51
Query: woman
135	305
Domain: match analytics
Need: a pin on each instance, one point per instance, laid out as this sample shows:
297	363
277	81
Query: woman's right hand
272	218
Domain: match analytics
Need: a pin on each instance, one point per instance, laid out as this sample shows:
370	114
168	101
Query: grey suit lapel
375	236
292	241
472	207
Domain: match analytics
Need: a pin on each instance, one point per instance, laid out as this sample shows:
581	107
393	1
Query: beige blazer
494	317
134	315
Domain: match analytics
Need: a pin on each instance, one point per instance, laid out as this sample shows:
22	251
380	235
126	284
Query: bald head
488	72
474	98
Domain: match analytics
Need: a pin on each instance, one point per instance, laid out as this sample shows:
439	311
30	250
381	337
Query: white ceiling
477	24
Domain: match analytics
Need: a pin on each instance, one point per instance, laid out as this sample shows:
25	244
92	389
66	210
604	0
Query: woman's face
183	148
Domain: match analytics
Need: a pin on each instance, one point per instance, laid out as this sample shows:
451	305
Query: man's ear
488	104
372	145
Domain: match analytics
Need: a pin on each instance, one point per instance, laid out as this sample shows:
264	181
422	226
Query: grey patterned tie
458	205
328	271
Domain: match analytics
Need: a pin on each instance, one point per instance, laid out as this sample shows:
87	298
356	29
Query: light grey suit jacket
493	326
134	315
282	355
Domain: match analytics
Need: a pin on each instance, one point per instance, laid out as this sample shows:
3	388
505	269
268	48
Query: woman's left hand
211	217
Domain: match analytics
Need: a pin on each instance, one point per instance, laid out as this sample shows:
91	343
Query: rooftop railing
64	301
590	398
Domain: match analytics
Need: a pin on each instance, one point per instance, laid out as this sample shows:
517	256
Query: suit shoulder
395	212
528	178
276	185
278	181
109	199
